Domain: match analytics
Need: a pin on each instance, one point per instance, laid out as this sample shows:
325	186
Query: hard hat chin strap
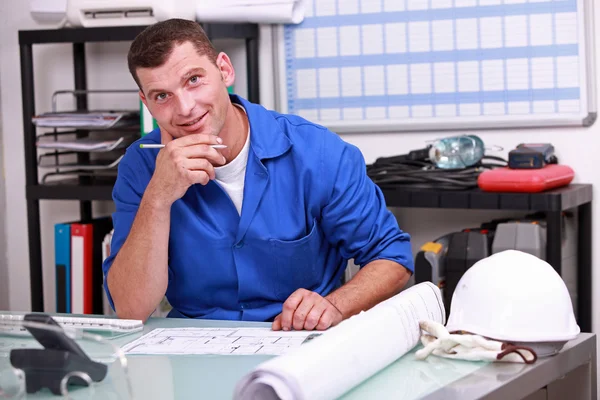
467	346
526	353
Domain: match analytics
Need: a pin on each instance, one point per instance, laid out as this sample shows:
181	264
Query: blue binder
62	259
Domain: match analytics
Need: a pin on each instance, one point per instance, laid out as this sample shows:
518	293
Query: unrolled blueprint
224	341
349	353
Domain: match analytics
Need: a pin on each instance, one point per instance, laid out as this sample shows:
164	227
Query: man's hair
152	47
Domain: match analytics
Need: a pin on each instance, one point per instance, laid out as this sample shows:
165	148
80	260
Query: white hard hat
515	297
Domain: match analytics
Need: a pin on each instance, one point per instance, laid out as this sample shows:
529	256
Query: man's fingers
289	306
276	326
200	177
313	317
198	138
302	311
327	319
200	164
203	151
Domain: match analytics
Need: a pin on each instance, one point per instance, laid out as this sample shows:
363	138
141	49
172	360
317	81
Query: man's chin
194	132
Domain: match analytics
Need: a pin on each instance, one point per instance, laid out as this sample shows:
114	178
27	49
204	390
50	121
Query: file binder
62	259
86	265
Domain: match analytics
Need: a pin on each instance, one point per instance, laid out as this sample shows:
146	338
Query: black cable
400	171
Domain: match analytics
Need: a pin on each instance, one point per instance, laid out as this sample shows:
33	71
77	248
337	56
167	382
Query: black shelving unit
553	203
88	189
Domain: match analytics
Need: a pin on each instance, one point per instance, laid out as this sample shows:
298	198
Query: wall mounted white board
397	65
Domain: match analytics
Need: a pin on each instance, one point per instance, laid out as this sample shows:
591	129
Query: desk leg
553	240
594	374
584	271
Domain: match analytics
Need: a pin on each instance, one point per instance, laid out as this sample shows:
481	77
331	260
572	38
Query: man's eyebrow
188	75
154	91
192	72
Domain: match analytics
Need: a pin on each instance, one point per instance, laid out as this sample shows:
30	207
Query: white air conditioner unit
95	13
53	12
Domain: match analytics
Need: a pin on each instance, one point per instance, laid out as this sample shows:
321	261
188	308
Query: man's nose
186	103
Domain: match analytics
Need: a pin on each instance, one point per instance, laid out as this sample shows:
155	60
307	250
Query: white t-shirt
231	176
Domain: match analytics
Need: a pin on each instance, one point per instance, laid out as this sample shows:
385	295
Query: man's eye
194	79
161	96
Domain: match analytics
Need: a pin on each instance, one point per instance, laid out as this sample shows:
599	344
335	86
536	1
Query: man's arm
355	220
375	282
138	277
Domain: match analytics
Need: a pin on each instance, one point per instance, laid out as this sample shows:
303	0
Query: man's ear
143	98
226	69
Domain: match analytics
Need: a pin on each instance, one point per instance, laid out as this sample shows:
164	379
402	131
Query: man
260	230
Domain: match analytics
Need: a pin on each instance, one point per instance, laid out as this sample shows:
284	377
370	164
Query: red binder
86	265
81	268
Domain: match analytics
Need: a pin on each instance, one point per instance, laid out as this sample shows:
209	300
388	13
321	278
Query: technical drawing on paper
234	341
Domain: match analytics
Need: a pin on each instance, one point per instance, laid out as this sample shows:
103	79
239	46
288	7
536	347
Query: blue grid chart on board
406	59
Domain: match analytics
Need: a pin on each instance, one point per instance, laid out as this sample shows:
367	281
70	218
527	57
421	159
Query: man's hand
181	163
307	310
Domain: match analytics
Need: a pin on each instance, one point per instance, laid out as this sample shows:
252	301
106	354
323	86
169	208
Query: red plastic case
505	179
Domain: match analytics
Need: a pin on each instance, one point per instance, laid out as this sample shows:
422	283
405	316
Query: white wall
107	69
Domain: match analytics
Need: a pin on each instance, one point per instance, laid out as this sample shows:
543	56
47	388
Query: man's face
188	93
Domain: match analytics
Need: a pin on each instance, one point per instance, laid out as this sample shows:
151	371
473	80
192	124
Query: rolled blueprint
258	12
349	353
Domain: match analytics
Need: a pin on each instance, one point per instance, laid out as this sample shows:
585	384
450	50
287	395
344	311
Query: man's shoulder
304	132
308	138
297	128
297	123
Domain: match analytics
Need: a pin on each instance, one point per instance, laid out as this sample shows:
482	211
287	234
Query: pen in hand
160	146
